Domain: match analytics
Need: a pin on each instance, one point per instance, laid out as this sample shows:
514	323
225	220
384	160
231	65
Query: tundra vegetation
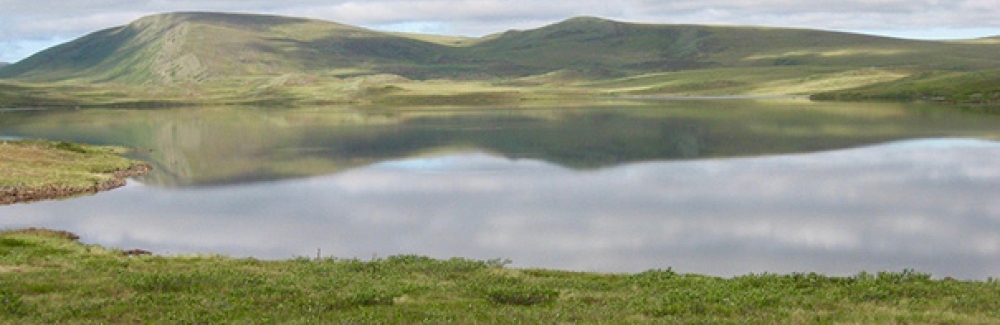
36	170
50	277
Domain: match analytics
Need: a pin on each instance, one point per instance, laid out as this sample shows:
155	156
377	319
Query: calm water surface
713	187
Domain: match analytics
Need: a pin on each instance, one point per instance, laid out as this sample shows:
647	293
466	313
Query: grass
382	90
977	87
279	90
35	164
49	277
745	81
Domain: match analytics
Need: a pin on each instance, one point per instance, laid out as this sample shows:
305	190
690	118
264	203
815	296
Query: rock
137	252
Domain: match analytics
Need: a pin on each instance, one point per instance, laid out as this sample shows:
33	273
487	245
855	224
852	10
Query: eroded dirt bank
12	195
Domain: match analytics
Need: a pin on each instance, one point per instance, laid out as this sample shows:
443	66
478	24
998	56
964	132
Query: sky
28	26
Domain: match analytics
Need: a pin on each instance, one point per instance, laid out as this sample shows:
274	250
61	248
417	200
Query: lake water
723	187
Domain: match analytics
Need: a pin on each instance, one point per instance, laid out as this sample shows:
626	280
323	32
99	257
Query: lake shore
33	170
49	276
56	191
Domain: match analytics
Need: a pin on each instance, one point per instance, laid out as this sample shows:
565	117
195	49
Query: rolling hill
594	43
230	49
198	46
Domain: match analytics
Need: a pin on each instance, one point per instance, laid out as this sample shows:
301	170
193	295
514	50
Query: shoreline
15	195
51	277
711	97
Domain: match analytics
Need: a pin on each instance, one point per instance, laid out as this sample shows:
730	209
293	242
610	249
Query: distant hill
594	43
194	47
197	46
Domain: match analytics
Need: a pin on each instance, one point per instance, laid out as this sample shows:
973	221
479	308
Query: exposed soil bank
52	192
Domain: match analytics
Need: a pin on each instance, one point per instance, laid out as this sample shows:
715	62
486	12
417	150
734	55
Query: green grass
744	81
48	277
393	90
35	164
979	87
381	90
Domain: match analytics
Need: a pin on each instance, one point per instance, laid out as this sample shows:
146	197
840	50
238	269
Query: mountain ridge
193	46
197	46
190	58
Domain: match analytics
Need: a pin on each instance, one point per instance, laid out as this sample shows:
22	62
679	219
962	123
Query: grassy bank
35	170
978	87
49	277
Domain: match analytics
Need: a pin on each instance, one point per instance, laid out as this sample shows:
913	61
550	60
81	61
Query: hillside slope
195	47
608	46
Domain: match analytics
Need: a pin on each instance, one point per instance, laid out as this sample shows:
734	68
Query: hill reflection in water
928	205
218	146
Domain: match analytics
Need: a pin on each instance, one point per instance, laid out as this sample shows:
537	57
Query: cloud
23	20
920	204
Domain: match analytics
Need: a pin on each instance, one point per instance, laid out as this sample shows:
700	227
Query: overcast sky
27	26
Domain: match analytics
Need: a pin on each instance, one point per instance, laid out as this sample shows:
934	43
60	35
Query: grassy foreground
49	277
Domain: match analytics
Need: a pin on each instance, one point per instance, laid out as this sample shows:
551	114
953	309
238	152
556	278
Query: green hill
183	47
610	47
198	46
240	58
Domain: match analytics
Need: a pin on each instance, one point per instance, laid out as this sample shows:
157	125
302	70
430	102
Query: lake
718	187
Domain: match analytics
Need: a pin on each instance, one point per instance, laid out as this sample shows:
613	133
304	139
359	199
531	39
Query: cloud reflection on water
929	205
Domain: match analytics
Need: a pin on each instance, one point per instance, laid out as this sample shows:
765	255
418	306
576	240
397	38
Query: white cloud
924	204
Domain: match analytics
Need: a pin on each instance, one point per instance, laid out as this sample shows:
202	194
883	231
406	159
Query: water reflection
928	204
214	146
